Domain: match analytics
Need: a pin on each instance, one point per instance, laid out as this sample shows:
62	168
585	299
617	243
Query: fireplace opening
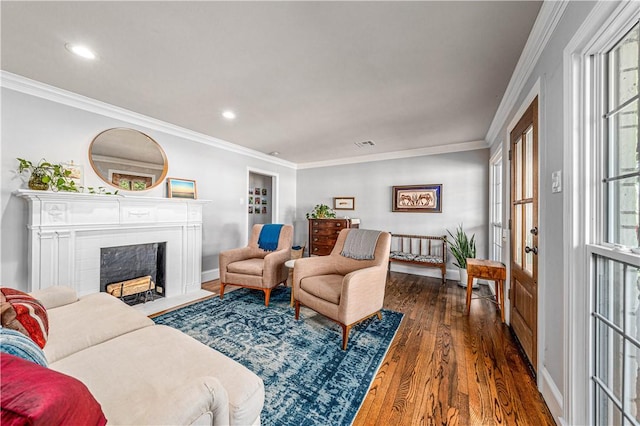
135	273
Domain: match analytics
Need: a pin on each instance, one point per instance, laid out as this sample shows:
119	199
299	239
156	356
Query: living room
43	120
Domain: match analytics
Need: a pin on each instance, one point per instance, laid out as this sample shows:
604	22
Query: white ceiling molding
434	150
546	22
54	94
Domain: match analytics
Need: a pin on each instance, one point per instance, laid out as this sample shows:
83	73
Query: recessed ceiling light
82	51
229	115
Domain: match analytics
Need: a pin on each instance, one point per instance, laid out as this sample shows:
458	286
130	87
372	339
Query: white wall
546	80
465	196
35	128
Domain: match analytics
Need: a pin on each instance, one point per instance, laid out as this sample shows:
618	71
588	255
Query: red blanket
34	395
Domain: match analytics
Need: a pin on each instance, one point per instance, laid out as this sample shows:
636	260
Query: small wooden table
487	270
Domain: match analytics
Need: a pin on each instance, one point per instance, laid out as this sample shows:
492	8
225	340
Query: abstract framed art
344	203
417	198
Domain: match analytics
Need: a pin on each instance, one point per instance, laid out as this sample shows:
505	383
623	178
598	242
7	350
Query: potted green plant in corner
462	247
45	175
321	211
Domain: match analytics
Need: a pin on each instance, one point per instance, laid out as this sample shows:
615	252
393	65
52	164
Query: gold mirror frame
128	159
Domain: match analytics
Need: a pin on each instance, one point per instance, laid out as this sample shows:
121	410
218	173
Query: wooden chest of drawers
323	234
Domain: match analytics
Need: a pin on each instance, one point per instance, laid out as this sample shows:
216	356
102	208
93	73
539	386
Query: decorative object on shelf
321	211
181	188
344	203
77	172
462	247
45	175
417	198
128	155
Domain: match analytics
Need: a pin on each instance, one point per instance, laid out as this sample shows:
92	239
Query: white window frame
496	194
604	26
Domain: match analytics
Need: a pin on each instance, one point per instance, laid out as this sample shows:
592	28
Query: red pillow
21	312
31	394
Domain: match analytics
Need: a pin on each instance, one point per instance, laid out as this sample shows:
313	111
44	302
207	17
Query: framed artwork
344	203
417	198
264	201
250	200
256	191
264	209
250	209
264	191
257	200
181	188
76	170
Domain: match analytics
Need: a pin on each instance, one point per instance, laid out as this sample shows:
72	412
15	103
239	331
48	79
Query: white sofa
142	373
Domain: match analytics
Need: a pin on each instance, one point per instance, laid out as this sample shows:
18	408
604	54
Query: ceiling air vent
364	144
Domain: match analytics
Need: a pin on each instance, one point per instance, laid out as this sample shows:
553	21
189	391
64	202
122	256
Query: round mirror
128	159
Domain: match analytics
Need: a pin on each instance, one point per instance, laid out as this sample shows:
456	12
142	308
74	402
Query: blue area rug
308	378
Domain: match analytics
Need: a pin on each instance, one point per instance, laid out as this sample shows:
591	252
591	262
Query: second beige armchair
255	268
342	288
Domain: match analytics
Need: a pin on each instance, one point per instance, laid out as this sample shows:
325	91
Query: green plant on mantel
99	190
45	175
321	211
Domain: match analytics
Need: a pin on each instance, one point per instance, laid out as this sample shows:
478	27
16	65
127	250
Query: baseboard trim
552	395
210	275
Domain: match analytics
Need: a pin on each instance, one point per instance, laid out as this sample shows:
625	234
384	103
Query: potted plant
45	175
462	247
321	211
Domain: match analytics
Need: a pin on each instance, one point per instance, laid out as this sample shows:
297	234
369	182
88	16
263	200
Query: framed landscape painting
417	198
181	188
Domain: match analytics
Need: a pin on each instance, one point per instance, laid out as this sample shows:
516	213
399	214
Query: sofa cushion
91	320
325	287
13	342
22	312
55	296
35	395
162	367
247	267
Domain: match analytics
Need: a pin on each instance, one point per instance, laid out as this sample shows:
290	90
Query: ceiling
306	79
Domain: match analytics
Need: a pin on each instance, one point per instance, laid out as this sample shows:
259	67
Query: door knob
534	230
533	250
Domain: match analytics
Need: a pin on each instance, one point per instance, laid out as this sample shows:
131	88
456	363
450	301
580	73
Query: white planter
464	277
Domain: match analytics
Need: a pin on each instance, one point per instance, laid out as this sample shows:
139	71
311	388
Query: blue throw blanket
360	244
269	236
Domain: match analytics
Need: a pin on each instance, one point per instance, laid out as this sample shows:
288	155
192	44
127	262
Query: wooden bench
421	250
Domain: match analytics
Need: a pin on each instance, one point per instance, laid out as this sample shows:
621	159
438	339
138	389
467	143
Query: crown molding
546	22
41	90
433	150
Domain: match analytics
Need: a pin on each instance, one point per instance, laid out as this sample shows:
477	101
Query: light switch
556	181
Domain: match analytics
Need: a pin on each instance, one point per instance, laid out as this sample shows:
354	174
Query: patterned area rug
309	379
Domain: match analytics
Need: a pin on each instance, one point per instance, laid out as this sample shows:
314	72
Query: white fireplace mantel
67	231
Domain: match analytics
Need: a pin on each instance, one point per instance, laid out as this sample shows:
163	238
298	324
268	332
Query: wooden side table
487	270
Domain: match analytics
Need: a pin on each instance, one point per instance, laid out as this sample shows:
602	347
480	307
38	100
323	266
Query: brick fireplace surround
67	231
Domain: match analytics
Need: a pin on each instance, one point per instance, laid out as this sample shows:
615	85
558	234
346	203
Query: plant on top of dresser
321	211
45	175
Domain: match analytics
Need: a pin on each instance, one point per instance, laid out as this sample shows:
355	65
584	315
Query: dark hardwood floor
447	368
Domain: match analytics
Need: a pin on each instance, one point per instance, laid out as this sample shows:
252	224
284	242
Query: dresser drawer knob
315	249
338	224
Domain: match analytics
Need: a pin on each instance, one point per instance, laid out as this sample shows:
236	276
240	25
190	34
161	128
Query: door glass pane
632	382
608	357
517	158
528	163
622	209
623	70
518	235
528	224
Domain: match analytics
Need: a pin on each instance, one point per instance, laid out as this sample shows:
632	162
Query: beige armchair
255	268
345	290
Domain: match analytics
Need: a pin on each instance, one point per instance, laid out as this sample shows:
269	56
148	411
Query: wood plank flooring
447	368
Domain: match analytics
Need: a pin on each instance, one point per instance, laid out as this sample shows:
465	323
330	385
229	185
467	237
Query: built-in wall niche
128	159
